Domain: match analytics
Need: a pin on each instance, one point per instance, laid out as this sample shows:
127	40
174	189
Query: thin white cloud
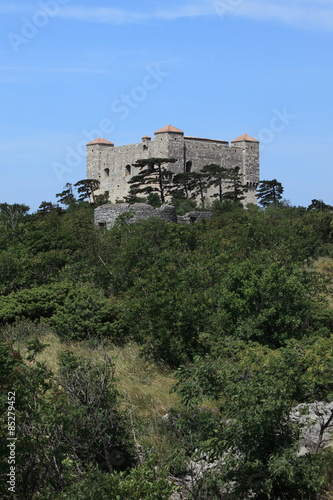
120	16
102	14
303	13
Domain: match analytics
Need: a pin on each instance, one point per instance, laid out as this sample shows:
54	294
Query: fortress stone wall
106	215
112	166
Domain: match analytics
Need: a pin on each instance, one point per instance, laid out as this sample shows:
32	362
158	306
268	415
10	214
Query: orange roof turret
246	138
169	128
100	140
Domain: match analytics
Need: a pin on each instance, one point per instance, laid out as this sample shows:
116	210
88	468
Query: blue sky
72	70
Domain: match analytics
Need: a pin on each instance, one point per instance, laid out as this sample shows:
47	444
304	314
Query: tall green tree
46	207
217	176
183	183
11	215
67	197
269	192
319	205
153	177
199	185
235	188
86	189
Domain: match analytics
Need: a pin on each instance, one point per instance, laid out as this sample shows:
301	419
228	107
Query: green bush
33	304
85	313
67	425
140	483
75	312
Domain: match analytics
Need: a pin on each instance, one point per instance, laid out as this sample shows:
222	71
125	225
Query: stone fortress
112	166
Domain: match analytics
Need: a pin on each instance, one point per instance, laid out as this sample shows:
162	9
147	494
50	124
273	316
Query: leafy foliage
319	205
11	215
139	483
67	425
236	304
255	390
266	302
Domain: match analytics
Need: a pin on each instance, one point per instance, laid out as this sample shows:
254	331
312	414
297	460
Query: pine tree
183	184
66	197
235	186
199	186
152	178
217	176
269	192
46	207
86	189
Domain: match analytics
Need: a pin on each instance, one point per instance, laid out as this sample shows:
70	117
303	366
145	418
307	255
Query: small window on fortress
102	224
128	170
188	166
145	147
107	172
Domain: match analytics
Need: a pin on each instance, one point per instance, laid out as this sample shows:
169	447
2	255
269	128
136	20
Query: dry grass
145	387
325	266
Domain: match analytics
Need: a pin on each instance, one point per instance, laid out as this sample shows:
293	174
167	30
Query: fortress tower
112	166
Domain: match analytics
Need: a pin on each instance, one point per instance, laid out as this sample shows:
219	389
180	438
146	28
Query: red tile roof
245	137
169	128
100	140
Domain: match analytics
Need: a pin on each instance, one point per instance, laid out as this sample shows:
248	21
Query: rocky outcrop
315	421
316	425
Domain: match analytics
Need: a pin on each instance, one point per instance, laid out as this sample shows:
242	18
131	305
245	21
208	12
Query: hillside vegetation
135	352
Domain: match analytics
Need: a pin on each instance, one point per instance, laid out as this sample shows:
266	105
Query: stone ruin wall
106	215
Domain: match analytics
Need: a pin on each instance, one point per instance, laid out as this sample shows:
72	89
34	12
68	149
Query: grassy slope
145	387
